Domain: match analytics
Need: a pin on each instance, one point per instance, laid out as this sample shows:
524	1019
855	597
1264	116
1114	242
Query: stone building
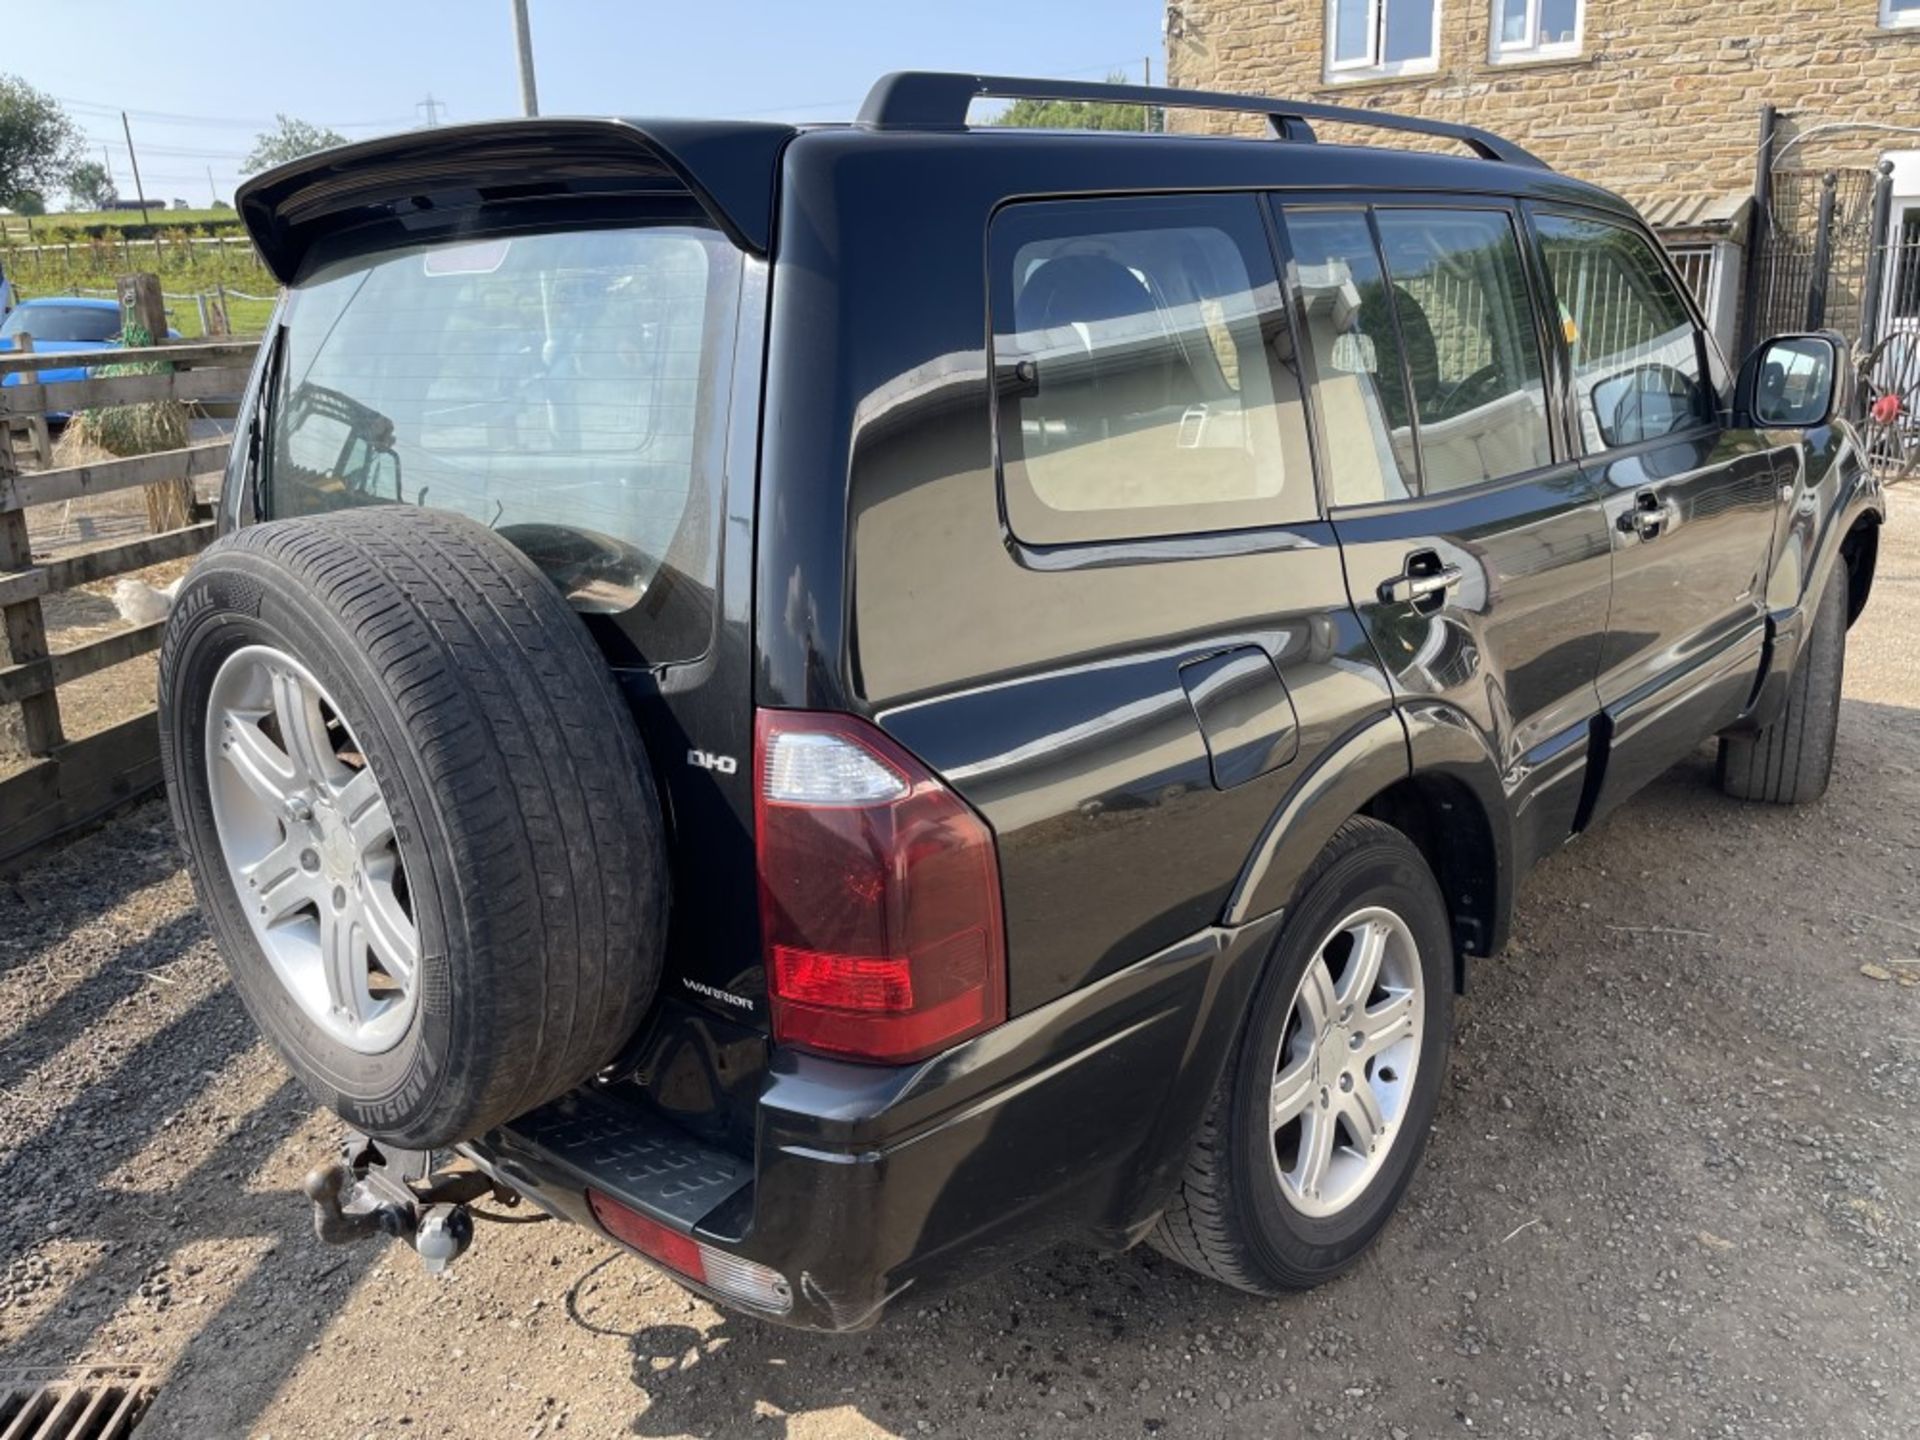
1657	100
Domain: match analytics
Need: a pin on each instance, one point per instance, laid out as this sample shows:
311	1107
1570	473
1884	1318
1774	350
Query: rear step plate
632	1155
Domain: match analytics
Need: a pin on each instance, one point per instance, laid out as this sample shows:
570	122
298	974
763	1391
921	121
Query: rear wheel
417	814
1790	762
1321	1119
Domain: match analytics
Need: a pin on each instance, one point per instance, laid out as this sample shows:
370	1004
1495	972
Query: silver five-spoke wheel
310	848
1347	1061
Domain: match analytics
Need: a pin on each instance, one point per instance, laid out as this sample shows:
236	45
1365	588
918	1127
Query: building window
1896	14
1367	38
1546	29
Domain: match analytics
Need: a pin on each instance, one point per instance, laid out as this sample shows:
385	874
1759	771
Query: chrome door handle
1647	518
1419	585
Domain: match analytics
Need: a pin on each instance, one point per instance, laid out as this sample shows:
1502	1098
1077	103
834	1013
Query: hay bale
129	429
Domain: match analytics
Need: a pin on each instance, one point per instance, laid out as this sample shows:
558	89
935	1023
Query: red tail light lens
737	1279
879	895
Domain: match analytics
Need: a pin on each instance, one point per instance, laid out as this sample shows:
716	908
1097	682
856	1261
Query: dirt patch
1674	1189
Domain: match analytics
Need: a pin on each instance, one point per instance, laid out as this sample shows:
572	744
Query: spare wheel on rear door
418	815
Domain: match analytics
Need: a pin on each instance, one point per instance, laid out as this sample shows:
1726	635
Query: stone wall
1664	100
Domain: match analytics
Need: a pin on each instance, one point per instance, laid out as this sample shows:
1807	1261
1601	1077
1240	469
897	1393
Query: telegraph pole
523	44
139	190
433	108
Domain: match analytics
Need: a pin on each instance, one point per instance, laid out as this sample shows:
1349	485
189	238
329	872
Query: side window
1633	343
1473	352
1348	329
1144	371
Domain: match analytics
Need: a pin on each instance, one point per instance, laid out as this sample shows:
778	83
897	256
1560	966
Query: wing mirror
1796	382
1644	403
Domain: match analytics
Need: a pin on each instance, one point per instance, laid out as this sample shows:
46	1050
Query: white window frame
1519	52
1892	19
1373	67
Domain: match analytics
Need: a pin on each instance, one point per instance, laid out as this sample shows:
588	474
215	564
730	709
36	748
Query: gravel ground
1675	1189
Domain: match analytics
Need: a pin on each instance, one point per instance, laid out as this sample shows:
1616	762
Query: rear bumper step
593	1138
1069	1122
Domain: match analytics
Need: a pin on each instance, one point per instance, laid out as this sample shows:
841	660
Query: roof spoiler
935	100
727	168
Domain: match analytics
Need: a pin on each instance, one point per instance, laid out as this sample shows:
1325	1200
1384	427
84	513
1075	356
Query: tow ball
373	1190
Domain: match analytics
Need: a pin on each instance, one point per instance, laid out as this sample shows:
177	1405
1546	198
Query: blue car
64	325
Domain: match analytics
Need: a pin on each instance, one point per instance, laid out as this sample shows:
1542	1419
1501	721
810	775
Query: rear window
1145	377
63	322
567	390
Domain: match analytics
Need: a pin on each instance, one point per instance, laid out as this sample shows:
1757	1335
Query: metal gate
1833	254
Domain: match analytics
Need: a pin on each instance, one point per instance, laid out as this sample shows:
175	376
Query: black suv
840	704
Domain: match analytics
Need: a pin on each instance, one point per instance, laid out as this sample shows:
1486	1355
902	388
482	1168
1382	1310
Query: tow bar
378	1190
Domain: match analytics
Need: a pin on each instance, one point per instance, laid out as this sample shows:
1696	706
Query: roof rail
937	100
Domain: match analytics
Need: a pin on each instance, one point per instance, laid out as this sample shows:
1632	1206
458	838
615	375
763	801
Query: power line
167	117
183	152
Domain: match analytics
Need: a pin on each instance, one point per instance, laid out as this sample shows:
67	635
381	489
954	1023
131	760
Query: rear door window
567	390
1145	377
1426	348
1472	350
1366	416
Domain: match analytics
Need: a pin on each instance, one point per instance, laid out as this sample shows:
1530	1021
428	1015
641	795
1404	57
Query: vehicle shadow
1060	1336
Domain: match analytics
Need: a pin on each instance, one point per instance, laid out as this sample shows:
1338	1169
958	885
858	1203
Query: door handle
1647	518
1423	583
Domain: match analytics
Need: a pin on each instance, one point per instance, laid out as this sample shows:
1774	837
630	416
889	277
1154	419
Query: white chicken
140	603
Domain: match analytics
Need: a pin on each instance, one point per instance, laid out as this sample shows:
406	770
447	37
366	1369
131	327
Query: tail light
879	895
729	1275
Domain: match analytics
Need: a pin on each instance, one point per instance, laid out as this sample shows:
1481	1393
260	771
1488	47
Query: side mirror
1795	382
1644	403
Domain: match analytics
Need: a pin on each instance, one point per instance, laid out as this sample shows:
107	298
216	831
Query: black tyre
1258	1207
417	813
1790	762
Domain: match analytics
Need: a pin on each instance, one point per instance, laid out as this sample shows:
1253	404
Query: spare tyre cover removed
417	812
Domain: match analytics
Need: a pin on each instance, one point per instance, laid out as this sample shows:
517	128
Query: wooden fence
70	782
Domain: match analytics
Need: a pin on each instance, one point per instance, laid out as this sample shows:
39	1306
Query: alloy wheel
310	849
1346	1064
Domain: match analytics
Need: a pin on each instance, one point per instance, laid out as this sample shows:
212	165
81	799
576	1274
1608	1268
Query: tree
289	140
1079	114
90	186
29	202
38	142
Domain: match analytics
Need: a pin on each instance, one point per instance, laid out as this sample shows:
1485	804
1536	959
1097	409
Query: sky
200	78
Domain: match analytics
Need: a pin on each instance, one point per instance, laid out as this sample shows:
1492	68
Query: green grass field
85	265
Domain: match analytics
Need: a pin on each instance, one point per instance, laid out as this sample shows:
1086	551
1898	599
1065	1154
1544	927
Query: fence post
26	626
1822	254
1879	251
1759	231
36	424
143	316
218	310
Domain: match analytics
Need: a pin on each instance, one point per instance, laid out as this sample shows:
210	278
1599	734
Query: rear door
1476	548
1690	502
1098	598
